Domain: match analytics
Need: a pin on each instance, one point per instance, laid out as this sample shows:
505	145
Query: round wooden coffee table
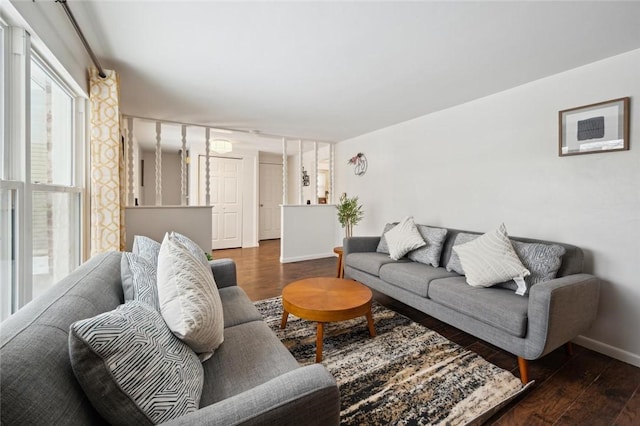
326	300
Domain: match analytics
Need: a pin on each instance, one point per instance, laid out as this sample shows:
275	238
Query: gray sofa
251	378
553	313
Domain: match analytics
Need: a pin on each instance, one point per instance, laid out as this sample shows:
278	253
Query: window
55	201
51	130
41	173
55	217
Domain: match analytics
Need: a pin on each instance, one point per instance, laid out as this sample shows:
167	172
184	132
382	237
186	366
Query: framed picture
601	127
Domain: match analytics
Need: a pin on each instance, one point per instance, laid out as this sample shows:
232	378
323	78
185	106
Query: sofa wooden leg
568	349
524	373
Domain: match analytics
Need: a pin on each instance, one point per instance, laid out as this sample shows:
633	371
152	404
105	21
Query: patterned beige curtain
107	198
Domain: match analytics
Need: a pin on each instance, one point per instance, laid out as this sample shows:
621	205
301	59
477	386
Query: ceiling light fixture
221	146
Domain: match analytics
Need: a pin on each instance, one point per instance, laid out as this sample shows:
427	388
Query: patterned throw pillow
490	259
453	265
189	299
147	248
383	247
542	260
139	280
403	238
430	253
132	368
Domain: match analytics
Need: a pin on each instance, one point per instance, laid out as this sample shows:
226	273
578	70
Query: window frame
15	159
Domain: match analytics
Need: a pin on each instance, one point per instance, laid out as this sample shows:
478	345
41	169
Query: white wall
307	232
270	158
495	160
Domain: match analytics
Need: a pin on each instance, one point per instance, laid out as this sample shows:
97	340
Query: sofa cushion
497	307
369	262
404	238
430	253
490	259
139	277
189	299
146	247
250	355
132	368
412	276
237	307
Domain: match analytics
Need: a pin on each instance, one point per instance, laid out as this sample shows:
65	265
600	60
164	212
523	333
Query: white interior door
270	200
226	200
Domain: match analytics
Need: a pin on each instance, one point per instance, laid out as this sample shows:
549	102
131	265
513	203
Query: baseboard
608	350
306	257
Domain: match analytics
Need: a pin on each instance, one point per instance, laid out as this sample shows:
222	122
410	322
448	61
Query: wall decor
360	162
305	178
600	127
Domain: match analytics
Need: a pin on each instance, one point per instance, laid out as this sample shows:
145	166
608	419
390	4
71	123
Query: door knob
261	205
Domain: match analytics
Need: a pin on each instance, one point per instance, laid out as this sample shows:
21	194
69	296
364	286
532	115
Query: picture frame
599	127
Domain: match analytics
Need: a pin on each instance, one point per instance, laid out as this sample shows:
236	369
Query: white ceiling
334	70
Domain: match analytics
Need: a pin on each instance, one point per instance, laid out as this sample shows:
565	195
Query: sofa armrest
560	310
359	245
224	272
307	395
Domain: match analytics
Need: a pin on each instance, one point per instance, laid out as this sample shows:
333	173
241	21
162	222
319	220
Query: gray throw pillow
147	248
383	246
132	368
454	265
542	260
430	253
139	280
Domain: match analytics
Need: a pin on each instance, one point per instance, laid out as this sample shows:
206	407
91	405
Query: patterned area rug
407	374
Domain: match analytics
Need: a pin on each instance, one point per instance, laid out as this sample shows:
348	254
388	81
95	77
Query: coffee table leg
285	316
372	328
319	337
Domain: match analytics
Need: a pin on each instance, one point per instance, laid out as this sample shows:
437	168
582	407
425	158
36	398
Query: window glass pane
51	130
7	257
55	237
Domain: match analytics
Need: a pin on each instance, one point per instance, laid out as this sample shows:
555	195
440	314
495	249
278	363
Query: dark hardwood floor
587	388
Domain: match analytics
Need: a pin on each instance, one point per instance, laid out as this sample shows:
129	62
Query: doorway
225	189
270	200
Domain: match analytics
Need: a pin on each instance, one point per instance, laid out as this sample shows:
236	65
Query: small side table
338	251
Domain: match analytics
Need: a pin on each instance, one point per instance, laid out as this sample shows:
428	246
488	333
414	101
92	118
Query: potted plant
349	213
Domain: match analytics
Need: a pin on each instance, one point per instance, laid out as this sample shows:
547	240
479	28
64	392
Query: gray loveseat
251	378
553	313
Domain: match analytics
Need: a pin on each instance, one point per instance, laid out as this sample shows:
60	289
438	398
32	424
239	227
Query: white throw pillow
490	259
189	299
403	238
195	249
